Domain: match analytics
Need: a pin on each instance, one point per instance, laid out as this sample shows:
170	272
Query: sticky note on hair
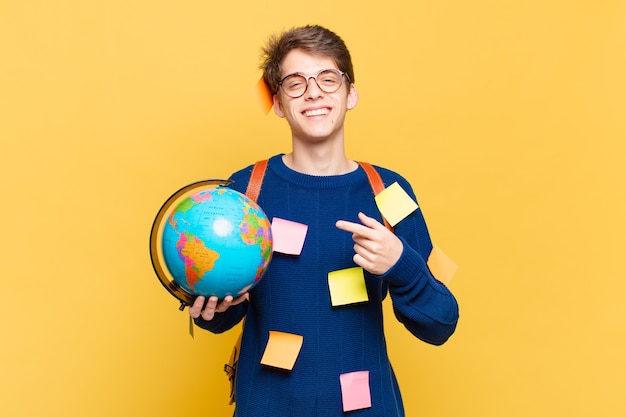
441	265
264	95
282	350
288	236
355	390
347	286
395	204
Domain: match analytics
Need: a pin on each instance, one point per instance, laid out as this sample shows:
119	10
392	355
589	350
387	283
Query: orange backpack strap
252	191
256	179
376	182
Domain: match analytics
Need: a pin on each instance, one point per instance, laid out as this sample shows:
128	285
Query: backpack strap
376	182
256	179
252	191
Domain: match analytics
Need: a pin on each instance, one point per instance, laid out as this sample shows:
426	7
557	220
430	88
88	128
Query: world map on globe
213	241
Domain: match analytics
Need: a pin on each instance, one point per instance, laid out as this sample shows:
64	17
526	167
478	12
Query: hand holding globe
207	307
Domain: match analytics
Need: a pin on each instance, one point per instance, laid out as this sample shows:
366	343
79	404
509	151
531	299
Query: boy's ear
278	107
353	97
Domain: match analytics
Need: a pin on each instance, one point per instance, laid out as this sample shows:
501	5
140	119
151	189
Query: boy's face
315	116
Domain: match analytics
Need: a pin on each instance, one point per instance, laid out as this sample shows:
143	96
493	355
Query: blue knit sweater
294	297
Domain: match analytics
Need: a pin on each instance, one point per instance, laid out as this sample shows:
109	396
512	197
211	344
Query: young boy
309	73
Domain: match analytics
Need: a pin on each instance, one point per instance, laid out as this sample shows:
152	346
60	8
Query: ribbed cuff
410	266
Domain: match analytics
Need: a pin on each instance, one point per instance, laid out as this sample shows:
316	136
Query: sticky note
288	236
441	266
395	204
355	390
282	350
347	286
264	95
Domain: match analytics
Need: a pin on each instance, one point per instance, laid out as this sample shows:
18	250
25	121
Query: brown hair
313	39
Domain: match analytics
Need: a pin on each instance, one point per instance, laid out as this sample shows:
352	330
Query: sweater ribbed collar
278	167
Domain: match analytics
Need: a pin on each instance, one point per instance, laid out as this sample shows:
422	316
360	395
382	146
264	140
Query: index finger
352	227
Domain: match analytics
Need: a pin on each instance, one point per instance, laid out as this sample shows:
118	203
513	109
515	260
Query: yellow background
507	117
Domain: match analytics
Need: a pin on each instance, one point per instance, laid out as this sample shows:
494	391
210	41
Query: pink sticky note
288	236
355	390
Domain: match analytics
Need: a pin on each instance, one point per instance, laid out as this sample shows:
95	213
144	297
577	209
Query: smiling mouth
316	112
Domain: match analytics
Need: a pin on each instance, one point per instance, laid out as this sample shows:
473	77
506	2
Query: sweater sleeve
424	305
421	303
224	321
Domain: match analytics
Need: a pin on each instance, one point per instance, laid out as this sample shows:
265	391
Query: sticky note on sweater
441	265
288	236
282	350
347	286
355	390
395	204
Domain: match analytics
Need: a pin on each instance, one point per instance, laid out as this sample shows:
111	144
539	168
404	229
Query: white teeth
316	112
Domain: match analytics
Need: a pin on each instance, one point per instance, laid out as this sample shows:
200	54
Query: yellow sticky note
264	95
441	266
282	350
347	286
395	204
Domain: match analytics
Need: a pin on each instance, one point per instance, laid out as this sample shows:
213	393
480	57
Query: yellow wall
507	117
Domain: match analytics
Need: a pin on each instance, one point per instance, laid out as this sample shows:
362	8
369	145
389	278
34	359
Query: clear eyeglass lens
328	81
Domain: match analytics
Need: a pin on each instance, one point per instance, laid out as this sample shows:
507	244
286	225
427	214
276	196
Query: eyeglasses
328	80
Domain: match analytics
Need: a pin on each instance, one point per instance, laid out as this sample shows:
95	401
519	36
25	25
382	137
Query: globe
209	239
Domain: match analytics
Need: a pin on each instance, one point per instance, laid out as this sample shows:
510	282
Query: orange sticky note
282	350
355	390
264	95
441	266
347	286
395	204
288	236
